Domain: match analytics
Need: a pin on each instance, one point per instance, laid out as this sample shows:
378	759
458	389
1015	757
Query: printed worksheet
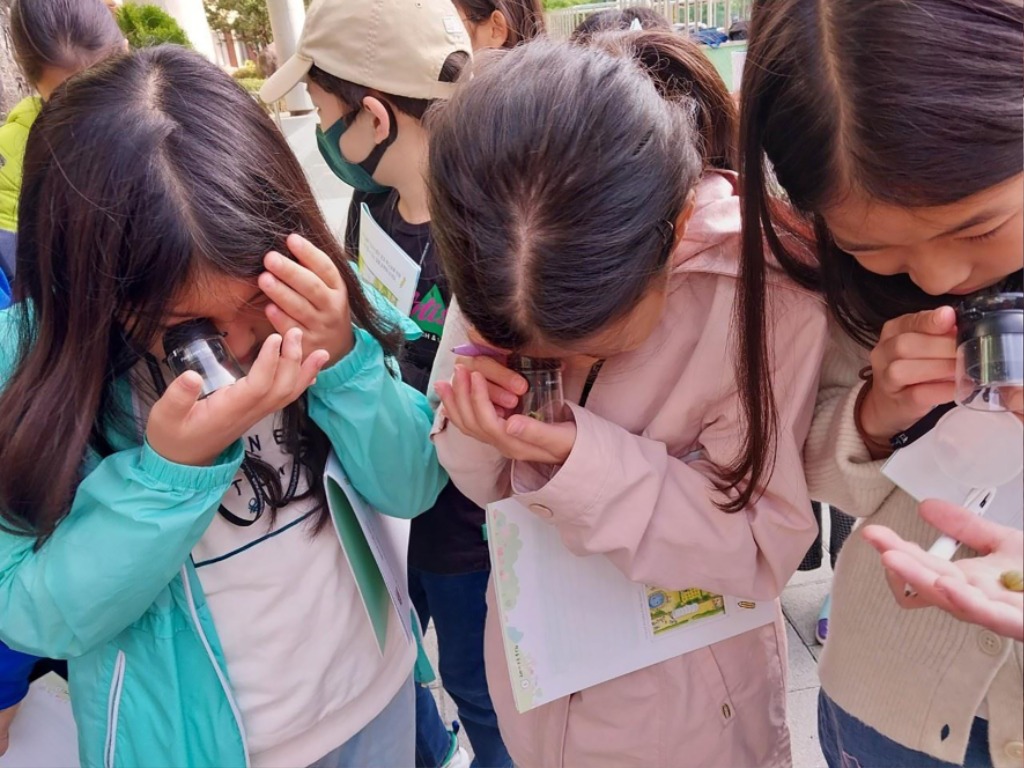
376	548
384	265
569	623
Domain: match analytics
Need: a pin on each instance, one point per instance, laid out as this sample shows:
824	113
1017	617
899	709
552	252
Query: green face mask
356	175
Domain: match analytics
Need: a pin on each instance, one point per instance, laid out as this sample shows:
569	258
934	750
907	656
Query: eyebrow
250	302
973	221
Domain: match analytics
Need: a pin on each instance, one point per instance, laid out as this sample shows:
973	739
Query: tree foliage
248	20
147	25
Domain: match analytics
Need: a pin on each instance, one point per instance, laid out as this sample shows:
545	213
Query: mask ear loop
373	159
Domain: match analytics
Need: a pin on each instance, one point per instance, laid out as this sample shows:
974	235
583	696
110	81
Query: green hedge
251	84
147	25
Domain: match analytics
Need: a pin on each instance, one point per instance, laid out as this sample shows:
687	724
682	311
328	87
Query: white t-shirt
302	658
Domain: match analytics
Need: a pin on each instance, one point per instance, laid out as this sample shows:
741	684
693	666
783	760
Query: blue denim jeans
457	603
846	742
386	740
15	668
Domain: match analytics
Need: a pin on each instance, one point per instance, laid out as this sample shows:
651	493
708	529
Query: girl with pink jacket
593	217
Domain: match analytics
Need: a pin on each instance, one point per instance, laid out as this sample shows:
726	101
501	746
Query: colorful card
569	623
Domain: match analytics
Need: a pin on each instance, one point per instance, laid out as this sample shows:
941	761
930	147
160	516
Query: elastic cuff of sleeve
365	352
188	477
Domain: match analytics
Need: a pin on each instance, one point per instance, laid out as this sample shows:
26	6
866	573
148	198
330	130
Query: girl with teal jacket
179	550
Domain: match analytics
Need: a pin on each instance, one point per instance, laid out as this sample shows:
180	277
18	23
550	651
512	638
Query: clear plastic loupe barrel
990	353
543	400
198	346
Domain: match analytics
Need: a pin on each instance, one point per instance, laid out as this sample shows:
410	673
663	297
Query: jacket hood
715	221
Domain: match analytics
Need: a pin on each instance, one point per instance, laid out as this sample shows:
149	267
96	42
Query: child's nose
239	338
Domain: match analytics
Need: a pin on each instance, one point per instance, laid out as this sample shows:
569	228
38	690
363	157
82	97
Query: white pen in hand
978	502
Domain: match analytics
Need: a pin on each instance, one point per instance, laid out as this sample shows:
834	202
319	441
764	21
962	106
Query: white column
192	18
286	17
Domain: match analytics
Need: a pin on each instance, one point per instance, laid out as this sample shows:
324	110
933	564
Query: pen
474	350
945	547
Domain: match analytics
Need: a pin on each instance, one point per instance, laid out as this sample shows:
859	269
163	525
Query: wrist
874	434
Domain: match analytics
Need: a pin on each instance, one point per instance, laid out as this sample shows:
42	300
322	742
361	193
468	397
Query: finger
287	299
935	322
301	280
496	372
261	374
315	260
289	365
484	413
447	395
972	605
883	539
281	320
311	367
919	346
501	397
463	401
903	373
919	399
973	530
181	396
554	440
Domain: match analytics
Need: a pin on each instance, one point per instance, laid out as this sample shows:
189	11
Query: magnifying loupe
990	353
198	346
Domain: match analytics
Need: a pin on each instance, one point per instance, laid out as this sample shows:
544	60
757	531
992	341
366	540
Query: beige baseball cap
394	46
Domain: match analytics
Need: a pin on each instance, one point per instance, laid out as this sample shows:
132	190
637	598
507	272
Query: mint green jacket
114	591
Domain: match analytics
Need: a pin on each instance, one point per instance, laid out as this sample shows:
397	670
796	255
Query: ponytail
682	73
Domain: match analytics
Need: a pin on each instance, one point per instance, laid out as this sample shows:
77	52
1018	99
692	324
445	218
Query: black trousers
842	524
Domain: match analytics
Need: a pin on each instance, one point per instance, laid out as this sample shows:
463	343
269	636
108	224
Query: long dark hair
542	188
65	34
140	173
912	104
525	18
616	19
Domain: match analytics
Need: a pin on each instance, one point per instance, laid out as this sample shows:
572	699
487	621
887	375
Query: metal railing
711	13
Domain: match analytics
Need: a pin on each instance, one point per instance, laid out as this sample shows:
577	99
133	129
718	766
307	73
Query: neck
406	172
412	201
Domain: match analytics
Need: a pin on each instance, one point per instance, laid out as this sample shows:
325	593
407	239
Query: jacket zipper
113	708
213	660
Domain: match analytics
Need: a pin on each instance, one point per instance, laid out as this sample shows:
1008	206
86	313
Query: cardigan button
1014	750
541	510
990	643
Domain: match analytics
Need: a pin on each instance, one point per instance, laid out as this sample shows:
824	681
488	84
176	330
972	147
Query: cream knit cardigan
917	676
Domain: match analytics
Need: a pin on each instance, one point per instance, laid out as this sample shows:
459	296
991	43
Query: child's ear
381	118
499	29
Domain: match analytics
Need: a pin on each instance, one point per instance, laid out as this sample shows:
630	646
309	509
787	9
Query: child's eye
990	234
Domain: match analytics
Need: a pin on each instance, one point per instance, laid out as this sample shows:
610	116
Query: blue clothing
458	606
387	740
8	254
15	668
846	742
114	589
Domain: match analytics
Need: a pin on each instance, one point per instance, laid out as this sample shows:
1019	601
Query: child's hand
186	430
469	401
969	588
308	294
913	368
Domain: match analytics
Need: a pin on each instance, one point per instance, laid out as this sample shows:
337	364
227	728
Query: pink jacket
627	493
